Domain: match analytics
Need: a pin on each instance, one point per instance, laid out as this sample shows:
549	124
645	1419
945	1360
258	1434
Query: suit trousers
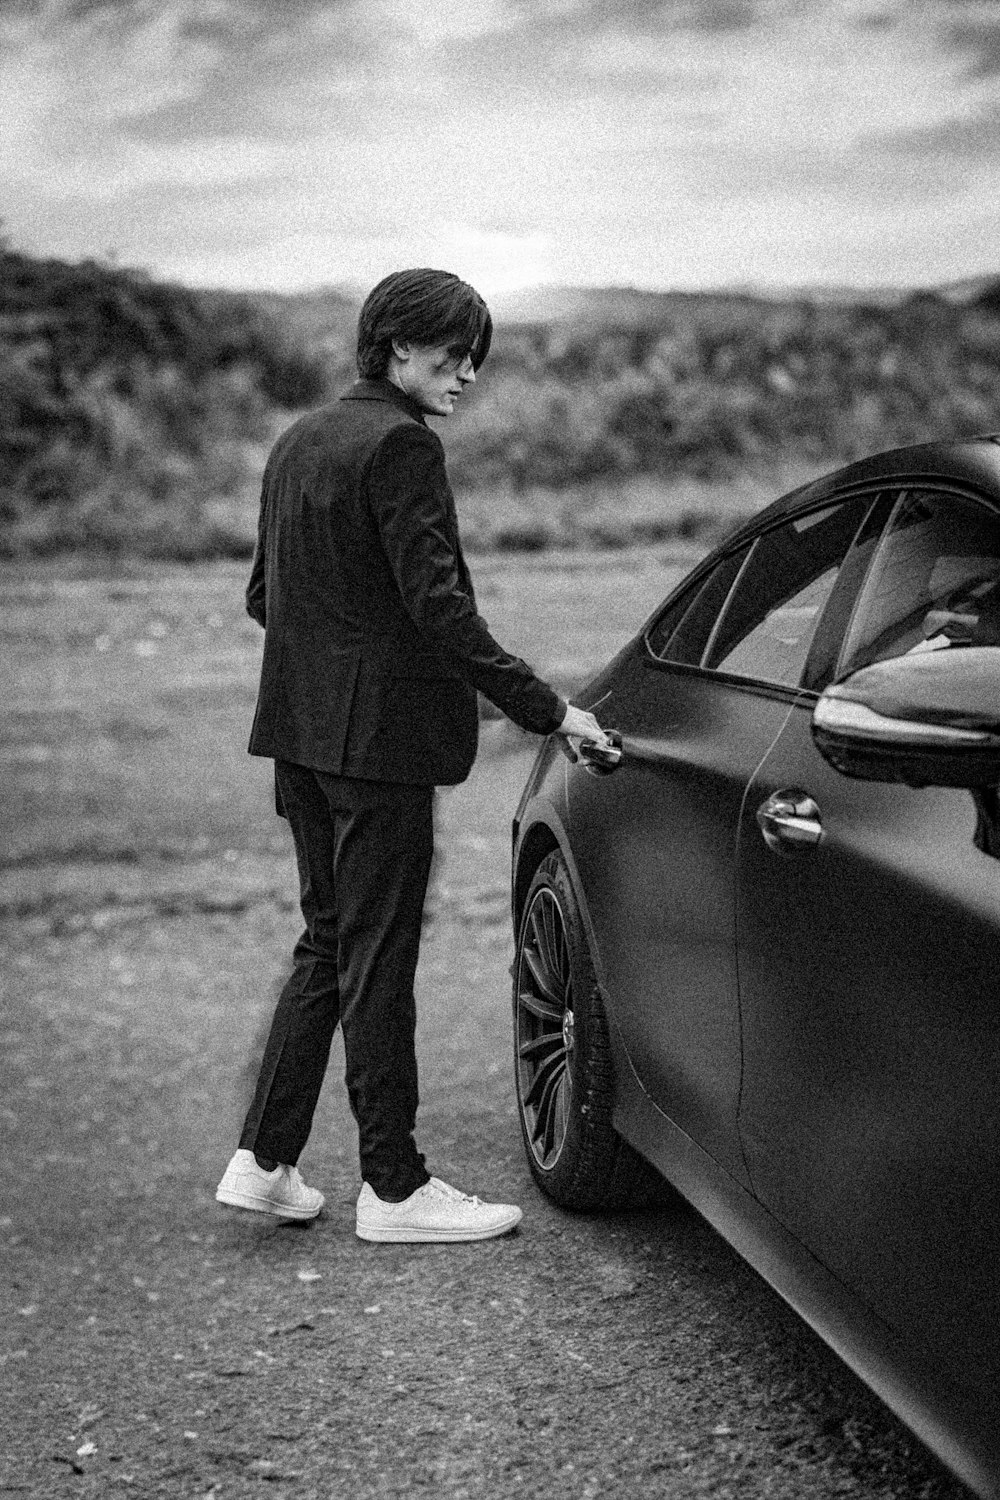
364	853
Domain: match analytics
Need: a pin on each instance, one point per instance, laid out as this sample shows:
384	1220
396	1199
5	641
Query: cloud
67	93
656	141
975	32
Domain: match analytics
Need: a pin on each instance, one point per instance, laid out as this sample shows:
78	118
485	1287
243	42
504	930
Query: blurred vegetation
711	385
135	416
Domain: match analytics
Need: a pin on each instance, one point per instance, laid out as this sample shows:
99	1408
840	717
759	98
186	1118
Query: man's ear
400	350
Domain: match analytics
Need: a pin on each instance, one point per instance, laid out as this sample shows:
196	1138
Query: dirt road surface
155	1344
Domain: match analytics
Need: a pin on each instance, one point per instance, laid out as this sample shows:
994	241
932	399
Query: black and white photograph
500	749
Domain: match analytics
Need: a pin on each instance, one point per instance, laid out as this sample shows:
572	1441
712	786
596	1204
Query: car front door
699	701
868	936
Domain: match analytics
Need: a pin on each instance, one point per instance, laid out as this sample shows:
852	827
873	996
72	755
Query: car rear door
868	936
699	702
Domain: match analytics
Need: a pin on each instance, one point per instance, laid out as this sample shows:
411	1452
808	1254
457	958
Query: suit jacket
373	645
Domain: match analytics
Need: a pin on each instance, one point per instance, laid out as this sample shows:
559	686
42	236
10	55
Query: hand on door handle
601	760
790	821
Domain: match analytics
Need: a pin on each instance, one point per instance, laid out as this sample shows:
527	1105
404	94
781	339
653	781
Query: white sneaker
434	1212
282	1192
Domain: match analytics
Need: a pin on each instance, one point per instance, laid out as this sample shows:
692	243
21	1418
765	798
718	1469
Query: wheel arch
533	847
542	832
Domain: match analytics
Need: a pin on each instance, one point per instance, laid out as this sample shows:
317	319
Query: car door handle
789	820
601	760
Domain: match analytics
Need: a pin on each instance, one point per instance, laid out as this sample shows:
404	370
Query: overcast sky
654	143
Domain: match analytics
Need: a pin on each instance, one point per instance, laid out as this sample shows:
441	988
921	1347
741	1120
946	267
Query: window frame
696	580
875	485
881	495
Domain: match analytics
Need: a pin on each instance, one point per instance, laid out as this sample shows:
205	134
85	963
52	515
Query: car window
683	630
768	622
824	652
934	582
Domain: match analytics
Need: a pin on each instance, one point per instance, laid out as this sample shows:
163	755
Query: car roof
974	461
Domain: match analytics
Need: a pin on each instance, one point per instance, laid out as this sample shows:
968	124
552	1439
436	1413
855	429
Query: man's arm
411	502
256	588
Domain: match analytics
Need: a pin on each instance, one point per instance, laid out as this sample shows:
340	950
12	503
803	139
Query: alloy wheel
544	1027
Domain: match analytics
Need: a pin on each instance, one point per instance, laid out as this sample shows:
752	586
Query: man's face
434	377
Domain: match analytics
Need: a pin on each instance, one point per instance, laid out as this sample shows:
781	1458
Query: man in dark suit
373	654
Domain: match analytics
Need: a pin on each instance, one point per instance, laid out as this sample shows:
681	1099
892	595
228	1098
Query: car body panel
869	1112
958	1428
671	973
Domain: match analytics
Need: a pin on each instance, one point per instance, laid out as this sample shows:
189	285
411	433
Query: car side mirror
931	718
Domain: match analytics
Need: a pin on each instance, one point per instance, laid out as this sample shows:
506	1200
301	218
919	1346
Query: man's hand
581	725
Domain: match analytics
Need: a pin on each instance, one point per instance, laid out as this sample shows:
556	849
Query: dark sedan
758	939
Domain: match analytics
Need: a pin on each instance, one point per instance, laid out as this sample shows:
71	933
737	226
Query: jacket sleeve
256	588
412	505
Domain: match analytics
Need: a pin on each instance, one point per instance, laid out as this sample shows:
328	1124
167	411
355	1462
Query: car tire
562	1059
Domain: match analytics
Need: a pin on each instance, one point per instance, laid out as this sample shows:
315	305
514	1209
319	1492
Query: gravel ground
155	1344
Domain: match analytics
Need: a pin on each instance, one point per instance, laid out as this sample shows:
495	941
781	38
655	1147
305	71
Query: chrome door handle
789	820
601	760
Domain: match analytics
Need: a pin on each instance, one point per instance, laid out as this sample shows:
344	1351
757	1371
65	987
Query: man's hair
425	308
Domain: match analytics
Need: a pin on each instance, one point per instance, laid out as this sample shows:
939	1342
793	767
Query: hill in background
135	415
